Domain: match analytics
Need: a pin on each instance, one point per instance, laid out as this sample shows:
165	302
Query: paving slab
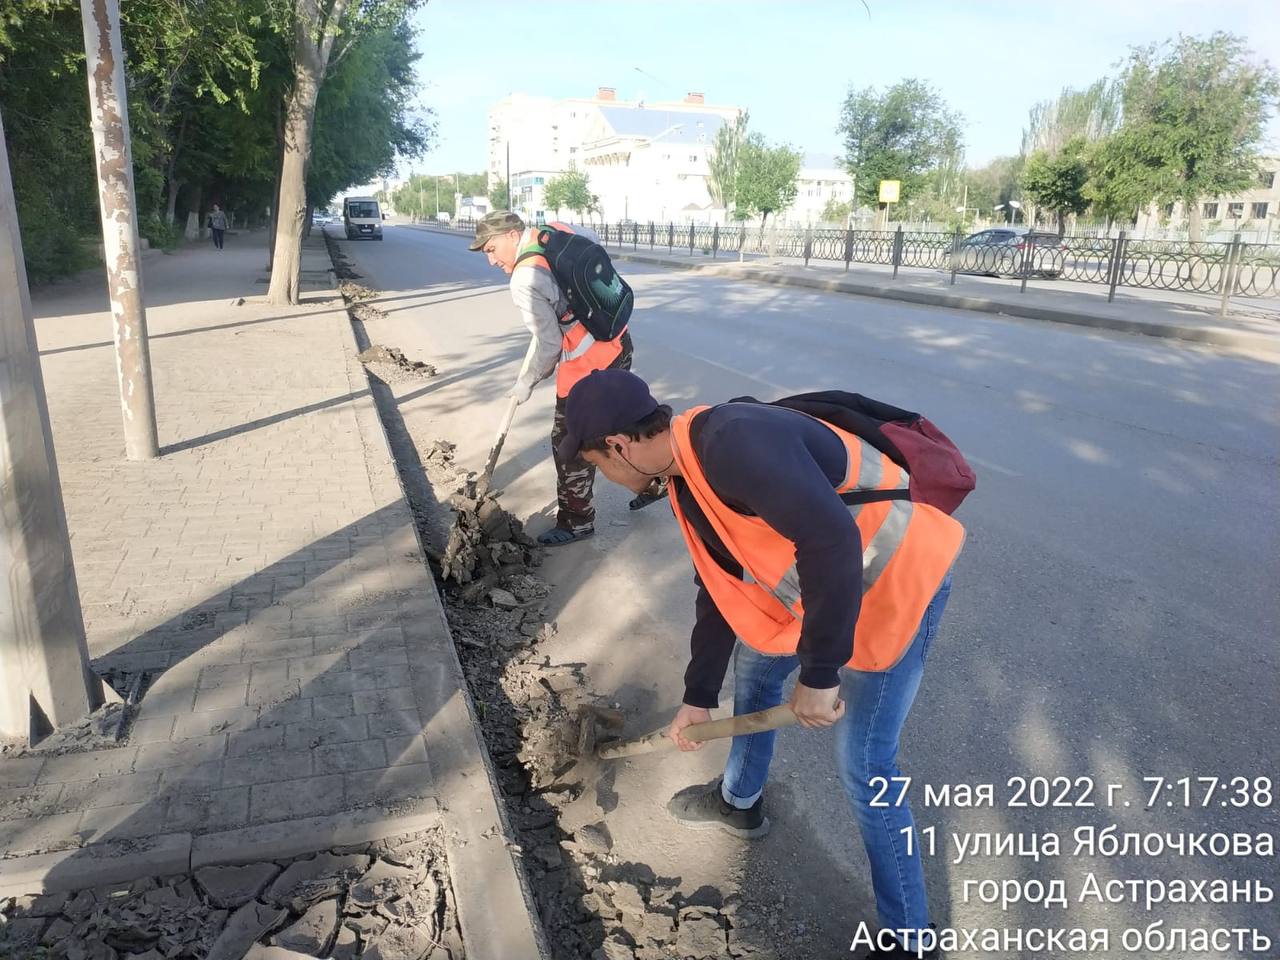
259	580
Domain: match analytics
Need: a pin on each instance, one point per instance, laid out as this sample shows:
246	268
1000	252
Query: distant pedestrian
218	224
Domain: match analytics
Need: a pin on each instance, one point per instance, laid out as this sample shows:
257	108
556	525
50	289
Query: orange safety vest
580	352
907	550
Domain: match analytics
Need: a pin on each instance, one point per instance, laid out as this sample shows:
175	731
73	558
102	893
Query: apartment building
644	160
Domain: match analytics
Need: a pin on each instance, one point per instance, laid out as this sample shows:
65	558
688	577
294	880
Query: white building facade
644	161
822	180
1254	213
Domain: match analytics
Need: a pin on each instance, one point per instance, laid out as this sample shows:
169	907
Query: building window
1259	211
1235	210
693	158
1210	211
573	149
1267	178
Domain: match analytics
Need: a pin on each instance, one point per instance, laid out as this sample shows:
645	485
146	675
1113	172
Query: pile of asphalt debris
387	900
393	366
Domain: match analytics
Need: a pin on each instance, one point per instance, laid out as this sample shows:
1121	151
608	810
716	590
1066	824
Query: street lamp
1014	207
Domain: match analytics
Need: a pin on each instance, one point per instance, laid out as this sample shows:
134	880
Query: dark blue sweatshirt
783	467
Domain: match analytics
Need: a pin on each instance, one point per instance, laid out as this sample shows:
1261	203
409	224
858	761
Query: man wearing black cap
756	489
563	347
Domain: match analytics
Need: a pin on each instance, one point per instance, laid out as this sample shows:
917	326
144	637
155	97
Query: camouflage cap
494	224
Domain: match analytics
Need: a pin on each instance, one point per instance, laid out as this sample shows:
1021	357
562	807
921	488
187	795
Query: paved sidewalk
264	578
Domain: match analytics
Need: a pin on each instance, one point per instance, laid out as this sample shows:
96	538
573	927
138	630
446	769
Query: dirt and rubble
387	900
103	729
393	366
593	904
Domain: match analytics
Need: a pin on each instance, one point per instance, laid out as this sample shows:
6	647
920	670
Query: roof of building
689	126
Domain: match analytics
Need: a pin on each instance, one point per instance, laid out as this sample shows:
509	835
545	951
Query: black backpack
597	296
940	475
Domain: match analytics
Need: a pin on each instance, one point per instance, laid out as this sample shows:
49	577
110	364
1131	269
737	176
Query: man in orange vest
564	347
791	577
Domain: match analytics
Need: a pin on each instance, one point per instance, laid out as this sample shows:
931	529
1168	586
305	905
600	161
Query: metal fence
1230	269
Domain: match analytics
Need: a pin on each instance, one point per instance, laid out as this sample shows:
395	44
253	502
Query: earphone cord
646	473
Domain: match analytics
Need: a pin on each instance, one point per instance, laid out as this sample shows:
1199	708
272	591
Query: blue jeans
876	706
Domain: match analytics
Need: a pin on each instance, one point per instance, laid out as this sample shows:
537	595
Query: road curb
295	838
495	903
1212	335
96	864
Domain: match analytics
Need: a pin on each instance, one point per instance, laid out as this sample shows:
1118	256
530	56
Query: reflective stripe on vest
580	353
908	548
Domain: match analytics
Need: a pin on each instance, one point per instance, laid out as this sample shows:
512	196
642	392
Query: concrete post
113	158
44	662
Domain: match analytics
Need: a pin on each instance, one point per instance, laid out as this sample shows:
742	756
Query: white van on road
362	218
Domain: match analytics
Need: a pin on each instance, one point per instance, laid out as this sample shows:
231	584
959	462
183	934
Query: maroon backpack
940	475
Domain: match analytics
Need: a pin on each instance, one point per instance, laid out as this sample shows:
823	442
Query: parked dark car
1002	252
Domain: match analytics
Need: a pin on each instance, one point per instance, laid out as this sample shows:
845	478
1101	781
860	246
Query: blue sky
791	63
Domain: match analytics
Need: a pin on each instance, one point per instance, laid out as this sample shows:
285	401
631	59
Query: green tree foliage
723	161
766	180
363	121
1089	114
568	191
1057	180
835	211
499	196
995	183
1194	114
904	133
208	82
417	195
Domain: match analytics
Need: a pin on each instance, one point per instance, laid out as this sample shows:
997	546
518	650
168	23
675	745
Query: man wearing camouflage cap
563	347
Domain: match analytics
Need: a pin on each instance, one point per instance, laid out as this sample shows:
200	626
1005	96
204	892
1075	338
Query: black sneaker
703	807
644	499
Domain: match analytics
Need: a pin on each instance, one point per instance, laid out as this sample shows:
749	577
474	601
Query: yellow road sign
889	190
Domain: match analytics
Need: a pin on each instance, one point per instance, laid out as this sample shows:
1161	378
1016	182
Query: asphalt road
1114	614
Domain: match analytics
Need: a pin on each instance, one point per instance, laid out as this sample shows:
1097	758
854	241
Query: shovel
775	718
482	485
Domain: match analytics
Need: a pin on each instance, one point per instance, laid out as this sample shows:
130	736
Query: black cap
602	403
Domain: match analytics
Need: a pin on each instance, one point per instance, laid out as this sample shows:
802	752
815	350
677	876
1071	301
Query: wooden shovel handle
775	718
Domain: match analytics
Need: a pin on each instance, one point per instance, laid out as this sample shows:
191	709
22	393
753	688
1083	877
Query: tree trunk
1193	220
1062	223
193	215
313	42
306	220
171	209
171	172
275	194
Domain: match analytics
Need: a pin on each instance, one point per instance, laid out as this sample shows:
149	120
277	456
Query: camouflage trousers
574	478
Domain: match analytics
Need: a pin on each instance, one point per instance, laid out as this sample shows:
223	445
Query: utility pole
113	160
45	680
508	174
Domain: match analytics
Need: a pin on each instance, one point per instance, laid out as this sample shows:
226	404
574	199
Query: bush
51	245
159	233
